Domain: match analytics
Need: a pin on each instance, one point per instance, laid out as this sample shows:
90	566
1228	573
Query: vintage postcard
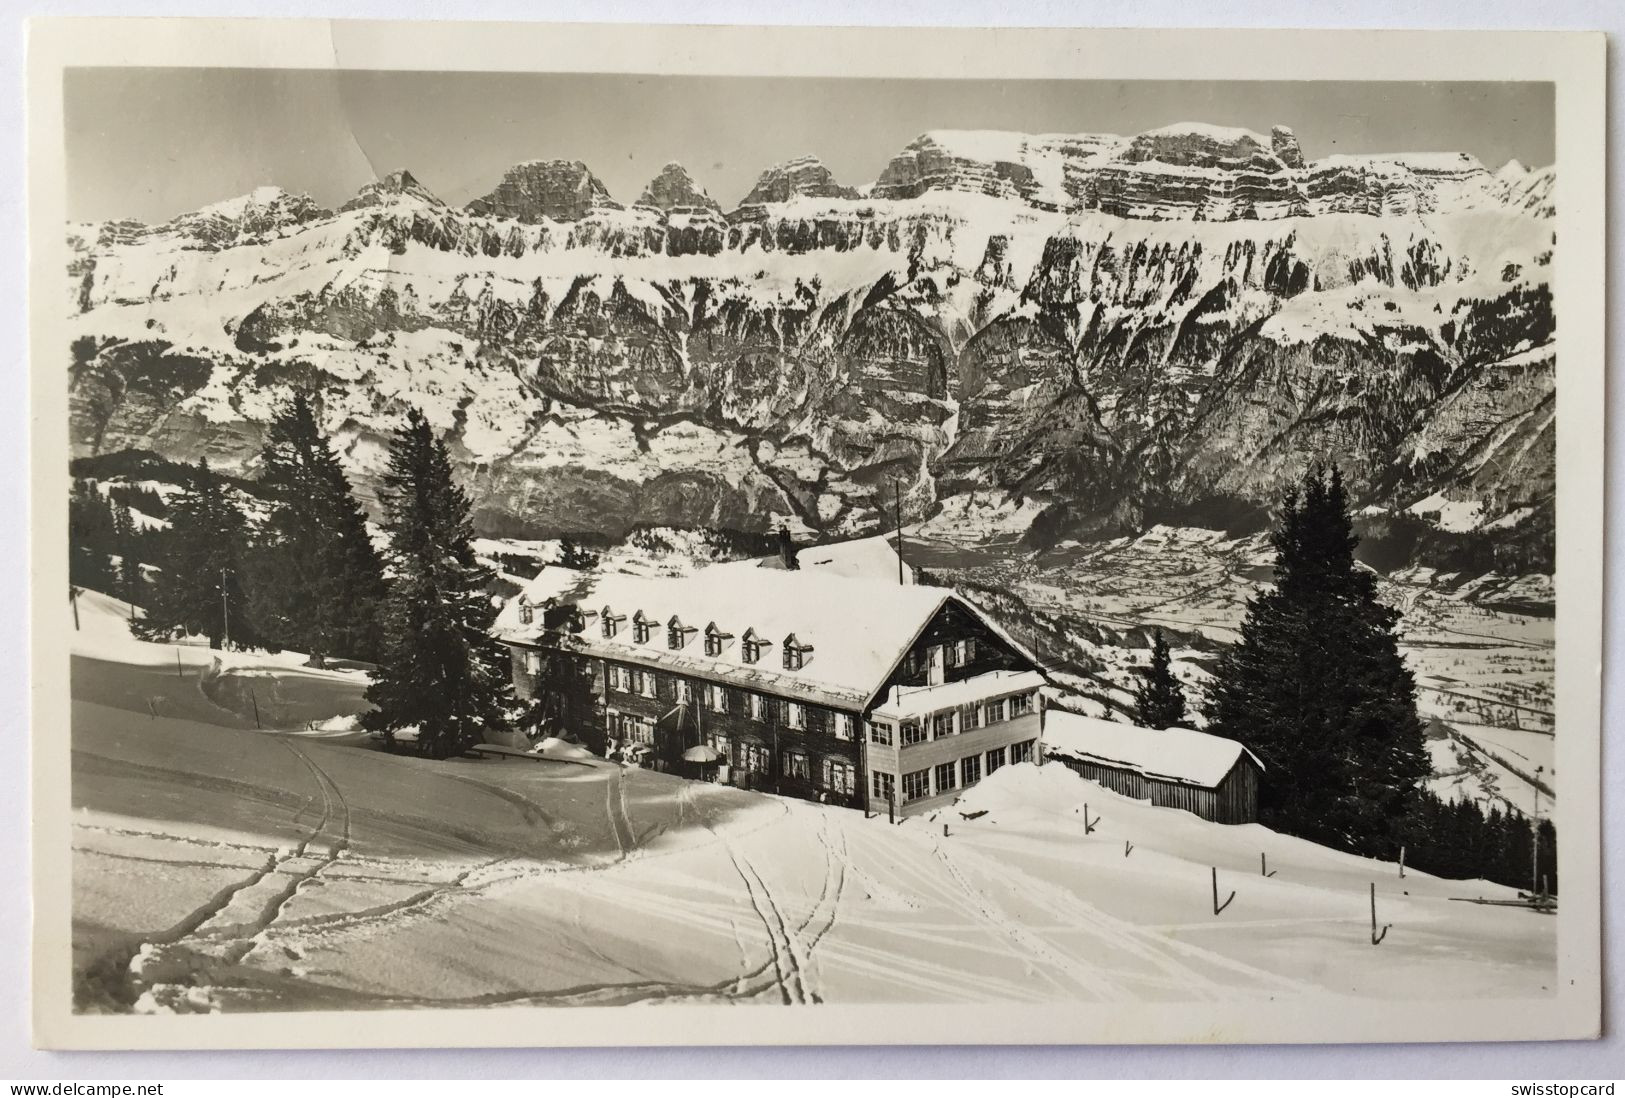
716	535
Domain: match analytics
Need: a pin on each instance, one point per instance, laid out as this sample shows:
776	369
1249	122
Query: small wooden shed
1215	778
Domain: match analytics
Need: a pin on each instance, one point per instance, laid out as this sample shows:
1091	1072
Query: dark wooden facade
677	726
1233	801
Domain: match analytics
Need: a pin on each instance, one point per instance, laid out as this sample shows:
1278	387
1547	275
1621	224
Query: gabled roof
856	630
871	558
1173	754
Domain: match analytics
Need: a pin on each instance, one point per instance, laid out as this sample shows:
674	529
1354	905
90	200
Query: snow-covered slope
1102	324
217	868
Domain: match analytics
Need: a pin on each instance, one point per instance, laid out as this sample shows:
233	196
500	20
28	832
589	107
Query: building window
533	661
795	715
795	764
755	706
750	647
1021	752
970	717
718	743
947	777
634	681
843	726
795	653
527	613
642	627
995	759
649	684
970	770
715	639
636	730
1020	705
885	785
839	777
677	633
995	711
817	720
969	644
913	732
753	757
610	623
916	785
685	691
880	733
717	698
942	724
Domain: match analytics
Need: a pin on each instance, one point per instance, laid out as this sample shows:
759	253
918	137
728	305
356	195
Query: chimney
787	549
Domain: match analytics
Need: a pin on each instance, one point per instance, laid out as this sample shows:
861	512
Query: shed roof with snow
873	558
1173	755
852	632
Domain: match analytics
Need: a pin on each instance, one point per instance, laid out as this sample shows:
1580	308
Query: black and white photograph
546	541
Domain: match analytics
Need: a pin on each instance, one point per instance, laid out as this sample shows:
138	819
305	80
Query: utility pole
1534	841
225	614
897	513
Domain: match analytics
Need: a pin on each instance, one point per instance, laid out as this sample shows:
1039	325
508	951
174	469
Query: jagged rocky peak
675	189
394	186
805	176
1285	144
261	212
545	190
985	162
1197	145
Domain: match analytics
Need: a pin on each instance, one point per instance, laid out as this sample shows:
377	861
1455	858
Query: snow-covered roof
855	630
903	702
1173	754
860	558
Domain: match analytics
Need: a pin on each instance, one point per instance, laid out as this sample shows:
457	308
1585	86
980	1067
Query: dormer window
715	640
642	628
527	612
795	653
677	633
751	645
611	622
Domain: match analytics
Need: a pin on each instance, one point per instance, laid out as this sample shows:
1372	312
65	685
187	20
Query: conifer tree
127	537
1316	686
440	671
317	583
198	588
1159	699
90	538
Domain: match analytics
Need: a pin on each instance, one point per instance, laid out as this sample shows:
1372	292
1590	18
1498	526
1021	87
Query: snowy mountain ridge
1100	326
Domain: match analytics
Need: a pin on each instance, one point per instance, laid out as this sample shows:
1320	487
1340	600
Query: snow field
219	868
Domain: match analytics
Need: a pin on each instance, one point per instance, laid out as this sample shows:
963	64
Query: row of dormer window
752	646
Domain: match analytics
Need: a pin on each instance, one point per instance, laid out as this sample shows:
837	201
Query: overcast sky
151	143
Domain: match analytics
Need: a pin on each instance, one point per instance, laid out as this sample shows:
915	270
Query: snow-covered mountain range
1092	329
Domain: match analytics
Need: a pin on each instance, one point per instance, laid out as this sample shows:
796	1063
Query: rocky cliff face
1090	329
804	177
545	190
675	189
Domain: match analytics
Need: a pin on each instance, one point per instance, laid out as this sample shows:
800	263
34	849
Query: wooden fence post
1217	906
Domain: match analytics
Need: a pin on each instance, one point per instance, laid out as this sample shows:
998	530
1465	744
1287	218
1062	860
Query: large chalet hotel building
806	683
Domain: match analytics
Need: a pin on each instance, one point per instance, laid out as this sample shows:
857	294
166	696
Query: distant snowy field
220	868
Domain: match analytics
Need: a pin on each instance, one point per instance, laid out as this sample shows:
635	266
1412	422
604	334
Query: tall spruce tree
90	538
1316	687
440	672
1159	699
198	588
317	583
128	538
